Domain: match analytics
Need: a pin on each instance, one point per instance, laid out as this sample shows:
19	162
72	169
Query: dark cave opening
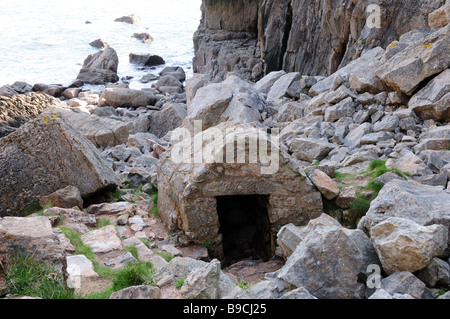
245	228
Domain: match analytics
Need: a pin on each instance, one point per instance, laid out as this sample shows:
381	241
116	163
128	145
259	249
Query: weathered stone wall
187	194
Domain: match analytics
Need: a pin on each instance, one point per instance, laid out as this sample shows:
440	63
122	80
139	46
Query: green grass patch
153	194
207	245
179	283
377	163
133	251
442	291
378	167
134	274
242	283
355	184
28	277
340	177
115	197
361	204
101	294
103	222
374	186
400	173
25	276
82	249
35	208
164	254
146	242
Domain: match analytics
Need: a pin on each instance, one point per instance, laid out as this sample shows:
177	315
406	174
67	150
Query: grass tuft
134	274
103	222
133	251
242	283
164	254
146	242
179	283
28	277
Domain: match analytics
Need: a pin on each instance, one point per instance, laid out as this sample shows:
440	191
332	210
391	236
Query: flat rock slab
33	236
103	240
78	268
100	131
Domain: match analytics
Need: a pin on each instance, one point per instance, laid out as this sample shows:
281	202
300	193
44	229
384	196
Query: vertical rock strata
255	37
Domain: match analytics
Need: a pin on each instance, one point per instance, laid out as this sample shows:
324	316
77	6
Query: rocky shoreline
358	209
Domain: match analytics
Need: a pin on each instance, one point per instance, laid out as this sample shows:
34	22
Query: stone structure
235	207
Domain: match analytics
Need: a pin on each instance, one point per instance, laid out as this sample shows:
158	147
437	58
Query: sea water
47	41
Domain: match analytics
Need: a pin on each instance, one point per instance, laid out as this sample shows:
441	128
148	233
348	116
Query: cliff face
227	39
254	37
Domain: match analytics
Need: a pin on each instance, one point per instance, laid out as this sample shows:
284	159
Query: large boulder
144	37
103	240
362	77
7	91
73	218
280	87
436	273
145	253
100	67
167	119
433	101
67	197
404	245
203	283
440	17
176	71
309	149
100	131
265	84
345	108
407	69
124	97
99	44
288	238
209	103
45	155
405	283
324	184
146	59
193	84
426	205
409	163
183	267
130	19
326	262
51	89
79	268
32	236
232	100
290	111
169	83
